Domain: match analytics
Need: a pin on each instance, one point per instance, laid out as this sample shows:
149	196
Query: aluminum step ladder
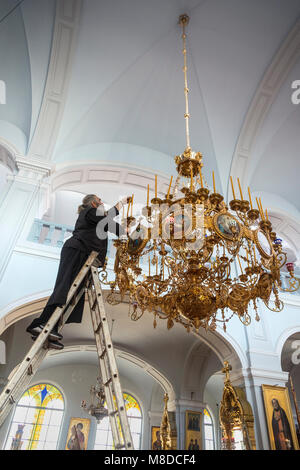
87	281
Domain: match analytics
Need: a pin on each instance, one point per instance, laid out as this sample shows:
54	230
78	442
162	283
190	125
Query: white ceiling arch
131	358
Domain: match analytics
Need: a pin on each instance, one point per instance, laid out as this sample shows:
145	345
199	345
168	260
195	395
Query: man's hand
125	200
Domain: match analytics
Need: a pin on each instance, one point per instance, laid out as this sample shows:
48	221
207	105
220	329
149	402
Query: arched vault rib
266	93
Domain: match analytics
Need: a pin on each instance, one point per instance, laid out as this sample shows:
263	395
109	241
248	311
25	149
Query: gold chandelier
192	259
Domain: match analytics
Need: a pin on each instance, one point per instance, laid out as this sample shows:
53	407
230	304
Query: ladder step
108	382
98	328
103	353
120	446
94	304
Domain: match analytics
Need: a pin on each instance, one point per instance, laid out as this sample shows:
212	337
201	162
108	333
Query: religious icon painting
78	434
137	240
193	427
227	226
281	427
156	443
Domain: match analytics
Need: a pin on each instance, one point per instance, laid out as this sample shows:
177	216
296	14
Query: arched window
208	431
104	439
37	419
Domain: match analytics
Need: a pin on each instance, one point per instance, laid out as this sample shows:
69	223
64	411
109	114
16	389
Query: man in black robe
90	234
281	428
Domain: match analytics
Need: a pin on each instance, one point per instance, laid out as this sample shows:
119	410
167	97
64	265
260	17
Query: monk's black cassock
73	255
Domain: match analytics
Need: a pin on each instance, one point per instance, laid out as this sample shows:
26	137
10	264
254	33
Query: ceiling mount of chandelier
192	259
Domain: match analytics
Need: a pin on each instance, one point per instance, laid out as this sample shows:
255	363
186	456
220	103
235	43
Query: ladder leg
105	374
113	383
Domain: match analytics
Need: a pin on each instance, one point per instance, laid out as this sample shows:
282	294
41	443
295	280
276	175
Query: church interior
108	99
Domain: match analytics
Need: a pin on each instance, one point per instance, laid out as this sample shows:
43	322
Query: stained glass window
208	431
37	419
104	439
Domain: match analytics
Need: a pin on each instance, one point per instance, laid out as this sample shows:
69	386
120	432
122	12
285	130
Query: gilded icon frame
154	430
193	431
259	246
225	235
280	394
86	422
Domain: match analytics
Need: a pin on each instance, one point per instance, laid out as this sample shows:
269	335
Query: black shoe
55	345
36	330
51	344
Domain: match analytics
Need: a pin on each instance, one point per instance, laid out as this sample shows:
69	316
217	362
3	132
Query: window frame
212	425
51	384
141	418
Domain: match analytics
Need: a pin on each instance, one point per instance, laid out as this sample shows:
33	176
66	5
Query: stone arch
134	359
36	304
285	335
206	357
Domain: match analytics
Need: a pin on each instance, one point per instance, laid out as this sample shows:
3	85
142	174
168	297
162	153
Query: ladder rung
103	353
119	446
113	413
94	304
108	382
98	328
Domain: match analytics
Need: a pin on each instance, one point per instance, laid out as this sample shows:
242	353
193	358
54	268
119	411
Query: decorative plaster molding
63	46
265	95
260	375
74	176
21	311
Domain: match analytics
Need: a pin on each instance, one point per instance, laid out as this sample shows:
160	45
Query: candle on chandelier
259	208
148	196
169	187
128	207
262	211
149	266
131	205
191	187
232	187
250	200
240	264
238	180
214	183
267	215
156	186
201	179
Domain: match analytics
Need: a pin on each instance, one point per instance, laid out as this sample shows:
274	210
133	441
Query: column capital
31	171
